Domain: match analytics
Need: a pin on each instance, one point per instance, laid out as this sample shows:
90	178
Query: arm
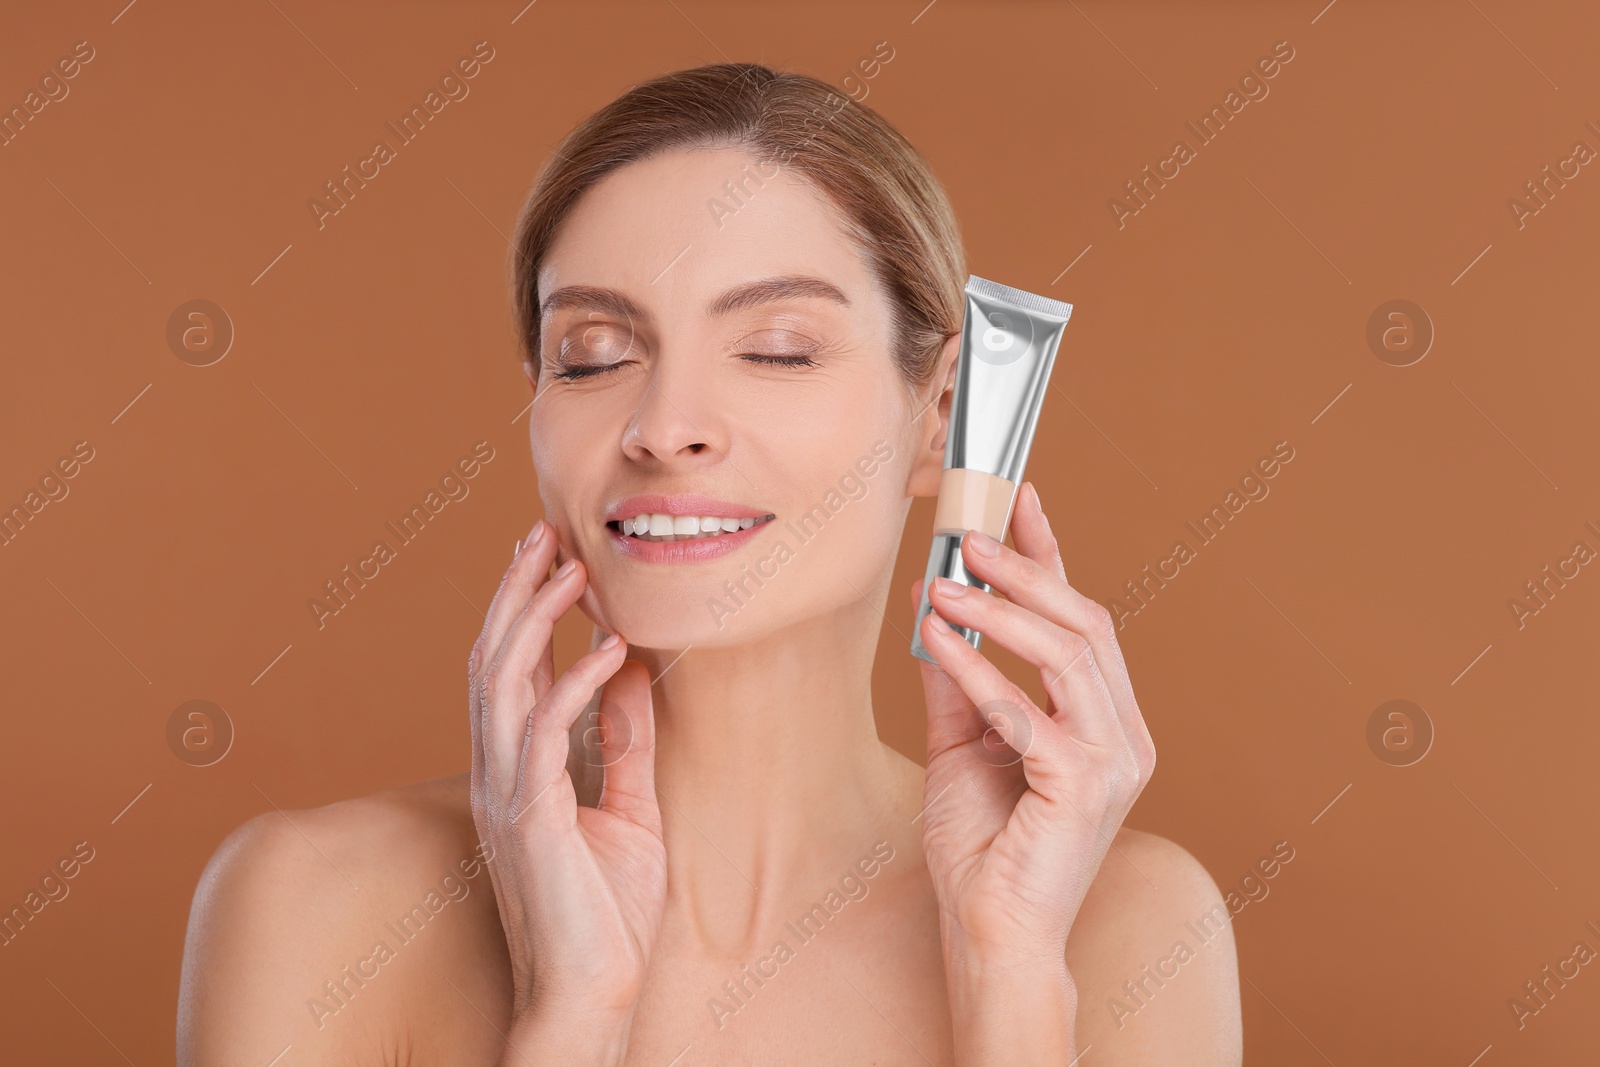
361	932
1155	919
264	919
1016	833
1150	975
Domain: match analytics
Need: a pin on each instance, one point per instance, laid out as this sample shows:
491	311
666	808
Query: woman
740	297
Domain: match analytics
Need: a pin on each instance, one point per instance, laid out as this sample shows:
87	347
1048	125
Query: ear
927	466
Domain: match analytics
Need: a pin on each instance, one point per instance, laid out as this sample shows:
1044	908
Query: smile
656	526
682	528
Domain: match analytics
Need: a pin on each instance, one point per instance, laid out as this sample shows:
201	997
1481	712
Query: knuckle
482	813
1101	622
489	685
1075	654
1135	775
1033	578
1058	569
1087	662
1092	668
542	604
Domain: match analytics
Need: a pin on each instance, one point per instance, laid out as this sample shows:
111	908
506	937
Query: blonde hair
893	207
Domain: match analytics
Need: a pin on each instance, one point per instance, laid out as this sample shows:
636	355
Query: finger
508	689
529	565
526	647
629	748
522	579
508	600
1032	576
1031	532
584	758
542	758
1050	758
477	790
1036	540
1065	660
951	717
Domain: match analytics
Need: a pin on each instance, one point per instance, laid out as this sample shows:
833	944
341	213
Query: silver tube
1009	340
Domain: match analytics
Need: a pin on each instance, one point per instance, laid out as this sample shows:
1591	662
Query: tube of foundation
1009	340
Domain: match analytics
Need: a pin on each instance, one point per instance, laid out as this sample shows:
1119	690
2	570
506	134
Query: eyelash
786	361
577	373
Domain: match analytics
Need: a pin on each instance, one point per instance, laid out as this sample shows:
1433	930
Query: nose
675	421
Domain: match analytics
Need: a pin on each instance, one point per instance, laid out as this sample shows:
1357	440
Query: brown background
1223	318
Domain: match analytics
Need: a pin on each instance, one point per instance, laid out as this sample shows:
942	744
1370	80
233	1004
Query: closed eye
787	361
572	374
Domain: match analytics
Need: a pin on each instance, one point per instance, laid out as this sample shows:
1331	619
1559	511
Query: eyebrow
750	294
593	298
772	290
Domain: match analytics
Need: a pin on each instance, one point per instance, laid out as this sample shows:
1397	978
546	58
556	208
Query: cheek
566	442
856	518
566	461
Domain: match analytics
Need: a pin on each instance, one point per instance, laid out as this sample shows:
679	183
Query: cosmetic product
1009	340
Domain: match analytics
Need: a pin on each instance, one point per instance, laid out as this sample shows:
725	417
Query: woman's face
713	347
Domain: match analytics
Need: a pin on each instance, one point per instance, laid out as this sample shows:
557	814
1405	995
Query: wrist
1011	1009
570	1035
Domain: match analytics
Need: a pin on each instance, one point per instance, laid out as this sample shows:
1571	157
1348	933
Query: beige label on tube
973	500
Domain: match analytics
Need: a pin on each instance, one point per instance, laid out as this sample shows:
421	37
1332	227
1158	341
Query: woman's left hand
1014	832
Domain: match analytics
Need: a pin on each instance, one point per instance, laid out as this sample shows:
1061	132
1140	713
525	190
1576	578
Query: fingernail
983	544
566	569
1038	505
515	552
948	588
939	623
537	532
611	641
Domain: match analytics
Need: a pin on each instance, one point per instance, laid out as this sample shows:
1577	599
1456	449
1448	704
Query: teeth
659	527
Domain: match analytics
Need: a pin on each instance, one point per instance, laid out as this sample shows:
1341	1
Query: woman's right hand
580	889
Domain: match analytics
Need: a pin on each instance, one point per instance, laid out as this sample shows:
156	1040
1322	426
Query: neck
769	771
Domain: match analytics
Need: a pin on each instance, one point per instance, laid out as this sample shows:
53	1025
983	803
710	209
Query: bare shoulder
322	929
1153	958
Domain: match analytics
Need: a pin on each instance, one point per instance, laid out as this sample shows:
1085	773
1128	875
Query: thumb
952	717
627	747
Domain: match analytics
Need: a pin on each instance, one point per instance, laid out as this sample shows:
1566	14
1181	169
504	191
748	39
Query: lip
682	504
694	550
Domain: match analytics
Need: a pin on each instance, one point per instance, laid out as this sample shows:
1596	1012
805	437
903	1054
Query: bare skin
982	911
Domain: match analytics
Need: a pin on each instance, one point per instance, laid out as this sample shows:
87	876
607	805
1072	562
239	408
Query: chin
672	624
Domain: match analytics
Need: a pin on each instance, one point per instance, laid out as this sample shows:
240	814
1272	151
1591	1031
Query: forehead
684	225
